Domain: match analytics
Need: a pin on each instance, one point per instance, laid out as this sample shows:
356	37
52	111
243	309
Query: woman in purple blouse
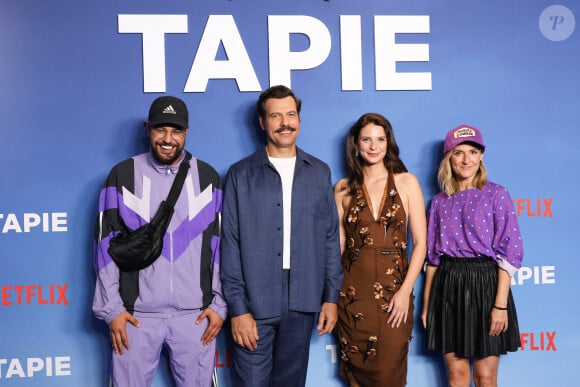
474	246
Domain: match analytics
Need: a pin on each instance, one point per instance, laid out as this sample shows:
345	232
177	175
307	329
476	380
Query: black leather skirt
461	299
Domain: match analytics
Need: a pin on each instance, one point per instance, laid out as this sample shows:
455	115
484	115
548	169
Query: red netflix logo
534	207
225	360
34	294
533	341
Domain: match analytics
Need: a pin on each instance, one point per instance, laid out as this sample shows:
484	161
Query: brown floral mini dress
375	264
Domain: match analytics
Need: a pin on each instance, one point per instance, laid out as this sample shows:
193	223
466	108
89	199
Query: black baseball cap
168	110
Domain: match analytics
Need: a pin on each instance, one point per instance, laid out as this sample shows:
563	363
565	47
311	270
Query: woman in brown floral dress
375	204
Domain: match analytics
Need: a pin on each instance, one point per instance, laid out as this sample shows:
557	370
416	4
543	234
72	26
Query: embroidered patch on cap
464	132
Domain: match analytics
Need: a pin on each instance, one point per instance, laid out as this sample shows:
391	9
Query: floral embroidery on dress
381	243
349	295
371	351
387	220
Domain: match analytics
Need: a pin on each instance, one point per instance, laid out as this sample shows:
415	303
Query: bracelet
498	308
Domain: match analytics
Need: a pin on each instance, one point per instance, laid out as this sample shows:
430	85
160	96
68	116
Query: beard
165	159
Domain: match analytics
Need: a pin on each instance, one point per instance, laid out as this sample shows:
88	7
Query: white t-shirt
285	167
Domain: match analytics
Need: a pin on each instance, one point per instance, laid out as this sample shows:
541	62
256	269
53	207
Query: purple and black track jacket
185	278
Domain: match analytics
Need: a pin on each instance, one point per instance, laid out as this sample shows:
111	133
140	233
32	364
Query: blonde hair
448	182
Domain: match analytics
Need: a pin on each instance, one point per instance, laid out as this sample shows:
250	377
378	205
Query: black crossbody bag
134	250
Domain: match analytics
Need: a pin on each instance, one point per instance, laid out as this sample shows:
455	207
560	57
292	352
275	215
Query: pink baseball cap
461	134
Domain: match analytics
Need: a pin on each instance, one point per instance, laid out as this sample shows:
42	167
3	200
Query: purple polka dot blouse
473	223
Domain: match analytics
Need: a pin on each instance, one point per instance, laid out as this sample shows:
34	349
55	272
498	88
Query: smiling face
372	144
465	161
281	122
167	143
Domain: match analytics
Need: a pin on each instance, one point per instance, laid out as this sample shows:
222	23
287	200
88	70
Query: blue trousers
281	358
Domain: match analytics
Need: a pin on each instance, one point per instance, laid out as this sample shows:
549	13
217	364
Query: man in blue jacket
280	250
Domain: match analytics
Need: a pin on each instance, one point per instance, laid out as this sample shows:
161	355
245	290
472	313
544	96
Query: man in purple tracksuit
176	302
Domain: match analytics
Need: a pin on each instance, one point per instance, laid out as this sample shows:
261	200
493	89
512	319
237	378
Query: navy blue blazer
252	237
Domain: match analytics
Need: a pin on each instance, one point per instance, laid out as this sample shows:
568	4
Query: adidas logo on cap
169	110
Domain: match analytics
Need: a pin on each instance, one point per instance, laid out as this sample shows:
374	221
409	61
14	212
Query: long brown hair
392	161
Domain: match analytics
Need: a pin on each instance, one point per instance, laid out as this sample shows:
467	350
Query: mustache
162	143
283	128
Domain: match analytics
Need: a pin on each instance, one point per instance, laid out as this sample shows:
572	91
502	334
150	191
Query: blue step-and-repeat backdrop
77	78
